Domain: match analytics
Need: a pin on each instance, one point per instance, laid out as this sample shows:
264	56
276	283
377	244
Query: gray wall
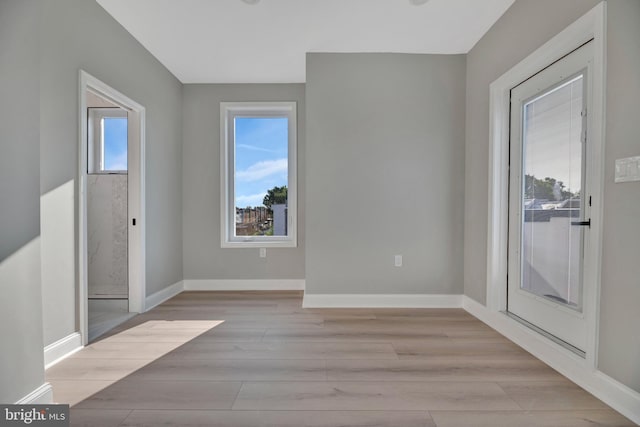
21	367
385	173
79	34
203	256
619	315
522	29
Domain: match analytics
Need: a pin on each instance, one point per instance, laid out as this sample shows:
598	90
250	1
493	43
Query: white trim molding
613	393
244	285
381	301
135	202
61	349
43	395
590	26
163	295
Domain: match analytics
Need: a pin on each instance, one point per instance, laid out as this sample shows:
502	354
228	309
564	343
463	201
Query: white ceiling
229	41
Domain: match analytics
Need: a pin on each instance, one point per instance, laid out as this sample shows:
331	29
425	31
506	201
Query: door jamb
136	198
590	26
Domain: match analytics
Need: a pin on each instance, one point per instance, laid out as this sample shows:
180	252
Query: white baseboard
617	395
161	296
53	353
221	285
381	301
612	392
244	285
43	395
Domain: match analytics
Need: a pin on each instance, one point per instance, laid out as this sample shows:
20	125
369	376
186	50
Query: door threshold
546	334
105	322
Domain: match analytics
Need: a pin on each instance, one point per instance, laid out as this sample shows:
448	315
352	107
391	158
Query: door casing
592	25
136	197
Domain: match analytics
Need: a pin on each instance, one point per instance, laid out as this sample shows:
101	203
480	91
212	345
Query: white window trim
228	111
590	26
96	149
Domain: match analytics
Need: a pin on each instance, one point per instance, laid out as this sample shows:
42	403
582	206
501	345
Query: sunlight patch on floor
112	359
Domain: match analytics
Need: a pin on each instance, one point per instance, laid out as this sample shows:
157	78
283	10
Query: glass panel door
548	198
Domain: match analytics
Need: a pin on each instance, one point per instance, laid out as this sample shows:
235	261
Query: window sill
260	244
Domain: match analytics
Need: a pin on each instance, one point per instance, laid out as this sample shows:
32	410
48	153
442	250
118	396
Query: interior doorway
111	206
107	215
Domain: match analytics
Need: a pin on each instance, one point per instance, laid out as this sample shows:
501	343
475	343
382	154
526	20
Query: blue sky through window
261	157
115	143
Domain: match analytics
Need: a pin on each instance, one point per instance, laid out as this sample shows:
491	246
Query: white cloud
255	148
250	200
262	169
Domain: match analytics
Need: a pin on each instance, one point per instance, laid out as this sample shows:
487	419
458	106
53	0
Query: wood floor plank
561	394
95	369
458	313
172	395
340	313
140	335
97	417
233	370
460	349
400	323
72	392
267	321
392	396
232	335
143	334
176	324
486	334
332	335
140	418
284	350
175	320
566	418
126	350
439	370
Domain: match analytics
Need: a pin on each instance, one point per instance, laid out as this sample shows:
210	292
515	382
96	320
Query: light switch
627	169
263	252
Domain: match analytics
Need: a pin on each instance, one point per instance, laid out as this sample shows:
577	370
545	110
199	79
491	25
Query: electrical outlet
398	261
263	252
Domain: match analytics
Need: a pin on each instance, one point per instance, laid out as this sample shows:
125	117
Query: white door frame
590	26
136	192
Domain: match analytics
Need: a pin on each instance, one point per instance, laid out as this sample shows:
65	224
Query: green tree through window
275	196
547	189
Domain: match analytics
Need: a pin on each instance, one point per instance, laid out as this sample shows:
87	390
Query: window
108	143
258	167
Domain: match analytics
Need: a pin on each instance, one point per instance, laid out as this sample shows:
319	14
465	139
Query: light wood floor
258	359
105	314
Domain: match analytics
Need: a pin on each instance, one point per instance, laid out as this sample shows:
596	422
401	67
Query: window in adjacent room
108	141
